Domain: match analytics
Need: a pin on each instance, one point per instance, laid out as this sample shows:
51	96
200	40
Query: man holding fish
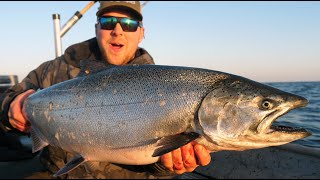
119	31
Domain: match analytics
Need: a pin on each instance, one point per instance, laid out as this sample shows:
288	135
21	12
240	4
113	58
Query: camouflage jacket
61	69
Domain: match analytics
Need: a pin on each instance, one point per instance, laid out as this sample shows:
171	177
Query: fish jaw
282	134
292	103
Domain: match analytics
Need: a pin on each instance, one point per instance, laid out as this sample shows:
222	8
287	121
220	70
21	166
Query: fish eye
266	104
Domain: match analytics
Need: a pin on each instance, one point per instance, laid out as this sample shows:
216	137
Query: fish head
238	115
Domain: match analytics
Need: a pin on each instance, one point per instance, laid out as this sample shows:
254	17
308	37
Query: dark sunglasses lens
108	23
129	25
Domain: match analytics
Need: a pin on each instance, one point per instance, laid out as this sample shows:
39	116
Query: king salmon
133	114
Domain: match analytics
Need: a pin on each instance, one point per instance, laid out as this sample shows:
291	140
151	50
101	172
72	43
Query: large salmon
134	114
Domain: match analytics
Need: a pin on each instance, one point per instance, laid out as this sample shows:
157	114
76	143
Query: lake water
306	117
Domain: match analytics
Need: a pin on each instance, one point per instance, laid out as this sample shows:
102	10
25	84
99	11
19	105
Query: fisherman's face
117	46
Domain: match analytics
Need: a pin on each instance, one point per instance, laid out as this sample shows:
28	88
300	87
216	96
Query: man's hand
187	158
16	117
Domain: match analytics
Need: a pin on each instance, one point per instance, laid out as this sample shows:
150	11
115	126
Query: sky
266	41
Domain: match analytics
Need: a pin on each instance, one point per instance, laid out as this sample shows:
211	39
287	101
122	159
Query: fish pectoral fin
170	143
38	141
72	164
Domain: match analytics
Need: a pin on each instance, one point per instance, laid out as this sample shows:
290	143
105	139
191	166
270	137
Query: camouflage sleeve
29	82
48	73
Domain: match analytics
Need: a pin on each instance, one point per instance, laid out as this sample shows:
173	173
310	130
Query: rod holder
60	32
57	39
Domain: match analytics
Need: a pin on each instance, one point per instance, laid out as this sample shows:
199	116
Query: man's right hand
16	115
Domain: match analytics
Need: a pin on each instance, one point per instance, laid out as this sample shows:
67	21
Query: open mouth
116	45
287	129
266	124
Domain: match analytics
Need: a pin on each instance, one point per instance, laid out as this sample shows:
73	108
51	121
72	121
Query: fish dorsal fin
72	164
92	66
38	140
170	143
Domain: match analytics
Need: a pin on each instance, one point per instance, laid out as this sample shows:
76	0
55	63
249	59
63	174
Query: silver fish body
134	114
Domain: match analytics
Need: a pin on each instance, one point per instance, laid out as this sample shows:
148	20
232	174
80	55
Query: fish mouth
287	129
283	132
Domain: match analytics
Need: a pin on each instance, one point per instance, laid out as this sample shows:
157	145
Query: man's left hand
187	158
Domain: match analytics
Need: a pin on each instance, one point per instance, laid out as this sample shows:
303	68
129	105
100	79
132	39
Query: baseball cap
132	6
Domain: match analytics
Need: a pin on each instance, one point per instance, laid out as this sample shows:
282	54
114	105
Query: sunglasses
127	24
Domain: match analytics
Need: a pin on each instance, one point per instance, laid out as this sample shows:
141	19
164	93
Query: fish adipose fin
72	164
170	143
38	141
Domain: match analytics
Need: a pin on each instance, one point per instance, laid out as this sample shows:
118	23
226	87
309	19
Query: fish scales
113	99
